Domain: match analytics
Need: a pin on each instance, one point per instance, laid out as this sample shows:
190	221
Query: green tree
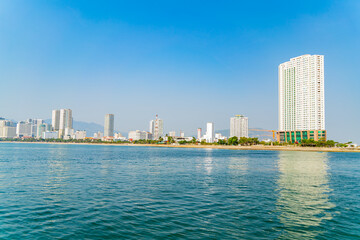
233	141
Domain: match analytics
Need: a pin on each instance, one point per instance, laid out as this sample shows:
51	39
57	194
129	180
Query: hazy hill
90	128
258	134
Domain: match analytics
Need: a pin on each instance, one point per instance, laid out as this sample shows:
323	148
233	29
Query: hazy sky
188	61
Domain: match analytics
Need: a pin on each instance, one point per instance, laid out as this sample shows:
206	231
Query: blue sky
188	61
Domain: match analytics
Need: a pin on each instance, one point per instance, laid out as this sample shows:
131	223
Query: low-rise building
98	135
297	136
79	135
119	136
50	135
24	129
218	136
7	129
139	135
182	134
7	132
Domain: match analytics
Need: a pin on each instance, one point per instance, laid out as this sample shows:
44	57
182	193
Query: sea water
56	191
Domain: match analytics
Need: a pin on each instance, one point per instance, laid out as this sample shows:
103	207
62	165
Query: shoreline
254	147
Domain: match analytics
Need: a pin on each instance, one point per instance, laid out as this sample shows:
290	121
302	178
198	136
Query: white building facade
302	99
139	135
24	129
239	126
62	121
55	120
50	135
79	135
7	129
210	132
301	94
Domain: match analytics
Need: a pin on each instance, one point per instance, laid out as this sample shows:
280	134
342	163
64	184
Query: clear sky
188	61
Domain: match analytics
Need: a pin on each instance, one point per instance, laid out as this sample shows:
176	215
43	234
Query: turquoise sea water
111	192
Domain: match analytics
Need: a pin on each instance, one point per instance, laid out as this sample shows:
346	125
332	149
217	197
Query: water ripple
104	192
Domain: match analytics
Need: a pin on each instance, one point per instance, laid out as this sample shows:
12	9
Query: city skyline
201	67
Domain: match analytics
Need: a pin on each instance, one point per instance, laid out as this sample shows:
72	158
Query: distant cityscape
301	114
62	122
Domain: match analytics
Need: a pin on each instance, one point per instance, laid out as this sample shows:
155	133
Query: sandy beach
256	147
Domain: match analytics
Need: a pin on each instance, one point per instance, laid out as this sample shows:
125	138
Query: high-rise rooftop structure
239	126
301	99
109	125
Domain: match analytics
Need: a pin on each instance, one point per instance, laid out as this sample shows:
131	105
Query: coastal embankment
254	147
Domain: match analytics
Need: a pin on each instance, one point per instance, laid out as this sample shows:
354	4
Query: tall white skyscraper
210	132
156	128
62	120
301	96
152	127
109	125
55	120
66	120
239	126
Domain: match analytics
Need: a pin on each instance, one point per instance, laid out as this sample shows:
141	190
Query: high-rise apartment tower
157	128
301	99
239	126
109	125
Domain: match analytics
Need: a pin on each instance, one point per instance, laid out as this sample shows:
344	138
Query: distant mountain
262	135
90	128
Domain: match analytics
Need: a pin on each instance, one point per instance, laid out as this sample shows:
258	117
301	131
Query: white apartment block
65	121
24	129
7	129
239	126
79	135
301	94
139	135
55	120
7	132
50	135
210	132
